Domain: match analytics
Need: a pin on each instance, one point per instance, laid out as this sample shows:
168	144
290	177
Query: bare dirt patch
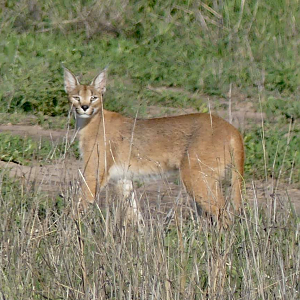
35	131
52	179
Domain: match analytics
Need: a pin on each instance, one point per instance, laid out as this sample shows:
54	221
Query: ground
54	179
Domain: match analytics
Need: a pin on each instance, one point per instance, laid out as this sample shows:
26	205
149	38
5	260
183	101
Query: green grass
158	44
273	151
25	151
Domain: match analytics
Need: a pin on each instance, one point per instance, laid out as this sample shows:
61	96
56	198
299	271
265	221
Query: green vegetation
273	150
163	53
196	47
25	150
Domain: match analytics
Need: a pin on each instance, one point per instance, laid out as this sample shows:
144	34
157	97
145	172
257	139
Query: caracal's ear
71	82
99	82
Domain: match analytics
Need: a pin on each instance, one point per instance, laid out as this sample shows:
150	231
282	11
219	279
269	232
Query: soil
159	195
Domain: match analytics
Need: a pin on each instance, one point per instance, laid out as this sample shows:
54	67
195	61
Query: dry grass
47	252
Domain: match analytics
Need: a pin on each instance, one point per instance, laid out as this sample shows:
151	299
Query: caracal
200	146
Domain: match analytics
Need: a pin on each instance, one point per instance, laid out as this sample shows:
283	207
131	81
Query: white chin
83	116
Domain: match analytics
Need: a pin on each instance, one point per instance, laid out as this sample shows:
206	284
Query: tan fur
201	146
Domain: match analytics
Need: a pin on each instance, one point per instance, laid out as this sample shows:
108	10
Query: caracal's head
86	100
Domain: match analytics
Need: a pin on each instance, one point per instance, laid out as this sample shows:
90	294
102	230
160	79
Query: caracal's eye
76	98
94	98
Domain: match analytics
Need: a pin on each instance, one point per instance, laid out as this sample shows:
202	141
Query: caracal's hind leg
202	182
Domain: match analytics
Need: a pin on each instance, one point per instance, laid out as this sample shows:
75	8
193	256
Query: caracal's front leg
95	179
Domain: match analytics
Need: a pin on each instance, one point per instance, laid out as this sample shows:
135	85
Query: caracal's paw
225	220
82	206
